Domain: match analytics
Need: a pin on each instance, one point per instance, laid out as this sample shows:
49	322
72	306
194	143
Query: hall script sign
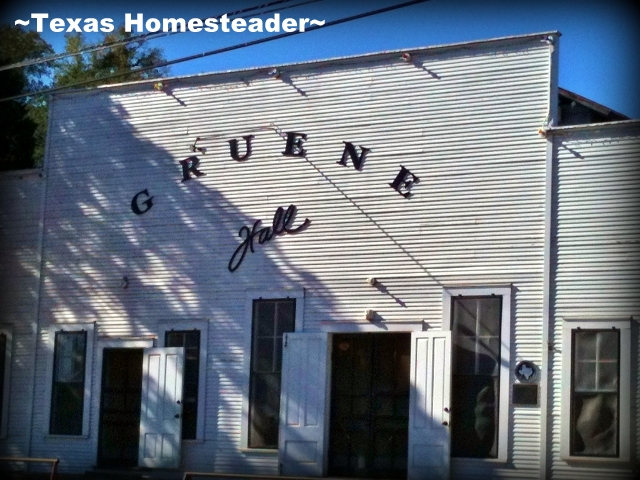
283	219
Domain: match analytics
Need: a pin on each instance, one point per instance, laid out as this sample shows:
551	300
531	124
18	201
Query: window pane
264	318
67	394
595	425
489	311
595	393
474	406
608	345
585	376
285	317
586	347
70	349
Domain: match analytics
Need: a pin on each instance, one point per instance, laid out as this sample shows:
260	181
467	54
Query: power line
220	50
145	36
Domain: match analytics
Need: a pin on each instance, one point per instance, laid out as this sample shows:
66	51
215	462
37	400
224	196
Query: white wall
597	259
464	119
20	217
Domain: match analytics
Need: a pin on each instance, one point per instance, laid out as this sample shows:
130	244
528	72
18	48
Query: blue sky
599	47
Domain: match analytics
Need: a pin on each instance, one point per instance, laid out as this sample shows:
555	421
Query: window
596	390
190	340
479	320
72	348
270	319
68	383
6	342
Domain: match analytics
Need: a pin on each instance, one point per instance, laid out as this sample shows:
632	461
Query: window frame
88	376
181	326
251	296
7	330
624	391
506	293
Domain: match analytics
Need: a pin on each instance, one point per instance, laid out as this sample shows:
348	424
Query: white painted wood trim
250	296
88	375
505	355
624	414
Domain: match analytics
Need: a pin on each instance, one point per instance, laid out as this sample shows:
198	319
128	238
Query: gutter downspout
549	225
40	256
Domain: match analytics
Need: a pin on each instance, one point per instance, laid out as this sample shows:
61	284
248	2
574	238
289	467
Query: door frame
102	345
330	366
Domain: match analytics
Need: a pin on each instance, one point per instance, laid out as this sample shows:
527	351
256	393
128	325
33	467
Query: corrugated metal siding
20	215
465	122
597	256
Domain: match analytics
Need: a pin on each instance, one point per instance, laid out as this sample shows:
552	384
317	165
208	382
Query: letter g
148	203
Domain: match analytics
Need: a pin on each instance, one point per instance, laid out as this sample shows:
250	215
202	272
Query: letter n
233	146
357	160
189	166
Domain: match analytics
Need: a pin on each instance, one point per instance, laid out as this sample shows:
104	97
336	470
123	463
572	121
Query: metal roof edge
508	40
593	127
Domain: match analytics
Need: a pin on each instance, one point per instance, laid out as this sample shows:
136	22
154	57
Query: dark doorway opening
119	431
370	405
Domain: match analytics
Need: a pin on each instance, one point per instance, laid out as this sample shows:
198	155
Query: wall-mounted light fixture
369	314
372	281
124	284
275	73
406	56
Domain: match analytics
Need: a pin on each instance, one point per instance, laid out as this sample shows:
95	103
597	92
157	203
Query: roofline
592	127
509	40
606	111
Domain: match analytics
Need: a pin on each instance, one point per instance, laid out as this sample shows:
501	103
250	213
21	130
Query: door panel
370	405
160	422
120	407
301	442
429	438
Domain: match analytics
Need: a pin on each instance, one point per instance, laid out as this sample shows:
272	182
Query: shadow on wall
104	263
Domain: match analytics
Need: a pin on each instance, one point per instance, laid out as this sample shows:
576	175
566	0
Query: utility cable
218	51
145	36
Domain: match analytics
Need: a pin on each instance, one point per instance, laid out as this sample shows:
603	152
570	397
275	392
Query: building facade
398	265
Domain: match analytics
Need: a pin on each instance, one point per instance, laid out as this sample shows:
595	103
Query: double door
347	412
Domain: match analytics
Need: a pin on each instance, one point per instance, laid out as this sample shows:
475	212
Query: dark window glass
595	374
476	324
271	318
190	340
67	398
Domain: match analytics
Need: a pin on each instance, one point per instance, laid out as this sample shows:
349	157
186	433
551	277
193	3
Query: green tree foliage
23	123
98	64
21	132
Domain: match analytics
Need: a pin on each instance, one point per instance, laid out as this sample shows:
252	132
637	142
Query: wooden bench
52	461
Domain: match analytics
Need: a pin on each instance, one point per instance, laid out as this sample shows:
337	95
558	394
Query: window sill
260	451
467	460
608	461
52	436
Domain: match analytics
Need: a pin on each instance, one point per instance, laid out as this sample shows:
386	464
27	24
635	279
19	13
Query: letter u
233	147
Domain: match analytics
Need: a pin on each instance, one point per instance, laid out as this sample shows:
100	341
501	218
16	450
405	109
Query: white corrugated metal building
444	281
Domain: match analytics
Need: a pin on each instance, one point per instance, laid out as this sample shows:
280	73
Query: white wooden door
161	409
302	441
429	400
